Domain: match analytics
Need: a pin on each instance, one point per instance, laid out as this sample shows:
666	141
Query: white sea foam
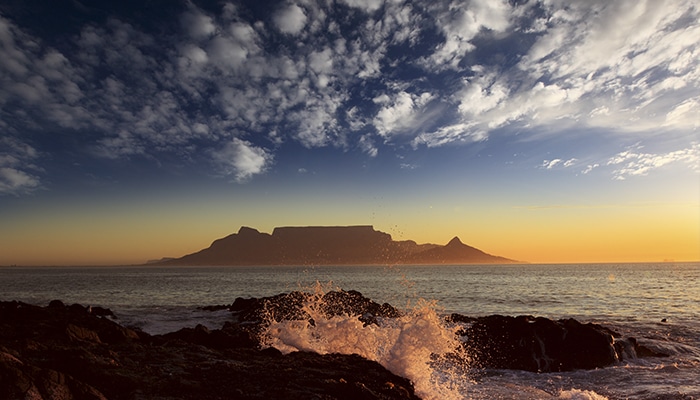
576	394
413	346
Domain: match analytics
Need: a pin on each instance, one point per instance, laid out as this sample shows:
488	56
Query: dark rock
79	334
630	348
290	306
231	336
543	345
21	381
61	352
101	311
215	308
56	304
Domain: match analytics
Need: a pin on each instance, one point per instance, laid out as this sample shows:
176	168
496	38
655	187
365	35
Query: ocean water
659	304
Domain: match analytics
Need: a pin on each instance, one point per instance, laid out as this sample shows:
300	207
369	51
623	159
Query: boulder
290	306
542	345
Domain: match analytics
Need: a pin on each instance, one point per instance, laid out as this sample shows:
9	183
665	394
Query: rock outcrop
290	306
63	352
543	345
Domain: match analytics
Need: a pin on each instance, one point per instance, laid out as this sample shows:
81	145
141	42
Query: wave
418	345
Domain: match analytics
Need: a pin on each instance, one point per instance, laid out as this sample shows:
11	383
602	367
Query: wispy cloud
18	173
626	66
634	162
557	162
461	23
401	113
589	168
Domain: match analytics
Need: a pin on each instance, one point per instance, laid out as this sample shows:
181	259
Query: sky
541	131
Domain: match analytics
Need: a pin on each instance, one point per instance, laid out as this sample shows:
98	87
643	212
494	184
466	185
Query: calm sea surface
633	299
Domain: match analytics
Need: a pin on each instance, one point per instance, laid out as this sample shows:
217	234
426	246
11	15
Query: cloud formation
362	74
290	19
17	170
558	162
634	162
242	159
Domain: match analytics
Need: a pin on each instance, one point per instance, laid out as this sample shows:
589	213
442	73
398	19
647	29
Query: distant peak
247	230
455	241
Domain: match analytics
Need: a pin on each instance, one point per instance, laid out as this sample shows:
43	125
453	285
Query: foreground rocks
543	345
288	306
72	352
64	352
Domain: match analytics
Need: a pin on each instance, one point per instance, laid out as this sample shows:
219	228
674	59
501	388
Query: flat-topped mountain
328	245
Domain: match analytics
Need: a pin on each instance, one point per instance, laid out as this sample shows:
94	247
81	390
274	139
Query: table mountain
328	245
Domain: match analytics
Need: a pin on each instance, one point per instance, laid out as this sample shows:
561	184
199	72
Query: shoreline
82	351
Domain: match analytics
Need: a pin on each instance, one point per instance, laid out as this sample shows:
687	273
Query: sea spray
576	394
415	344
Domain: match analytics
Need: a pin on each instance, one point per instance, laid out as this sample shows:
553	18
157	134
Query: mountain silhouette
328	245
456	252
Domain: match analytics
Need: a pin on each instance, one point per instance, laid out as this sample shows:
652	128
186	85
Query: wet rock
230	336
68	352
542	345
290	306
101	311
630	348
21	381
81	334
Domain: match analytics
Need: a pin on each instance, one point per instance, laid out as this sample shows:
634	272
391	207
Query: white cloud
354	120
13	59
15	181
558	162
198	25
570	162
365	5
17	171
481	94
685	114
242	159
321	62
290	19
396	115
227	53
590	168
623	63
632	162
401	113
549	164
368	146
315	125
463	132
461	22
195	55
595	35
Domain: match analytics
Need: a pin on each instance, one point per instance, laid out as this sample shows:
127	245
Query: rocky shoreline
77	352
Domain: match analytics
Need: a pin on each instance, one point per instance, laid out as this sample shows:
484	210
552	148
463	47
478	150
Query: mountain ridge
328	245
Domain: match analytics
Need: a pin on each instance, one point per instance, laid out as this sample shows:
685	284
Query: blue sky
356	107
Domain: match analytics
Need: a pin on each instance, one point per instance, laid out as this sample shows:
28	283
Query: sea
657	303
